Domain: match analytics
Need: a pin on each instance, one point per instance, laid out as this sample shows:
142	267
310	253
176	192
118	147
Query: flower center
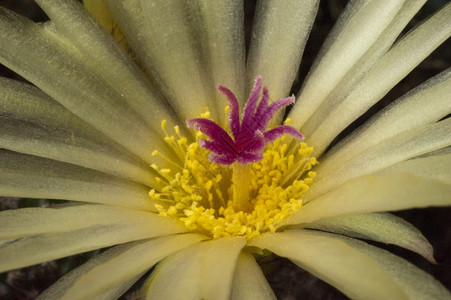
236	186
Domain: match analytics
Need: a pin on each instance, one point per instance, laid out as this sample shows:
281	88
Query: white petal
406	145
161	35
62	145
335	262
249	282
127	265
34	177
278	39
438	152
107	59
374	194
56	290
25	222
223	31
363	65
202	271
51	131
358	28
416	283
26	102
426	104
59	69
436	166
380	227
117	291
45	247
385	74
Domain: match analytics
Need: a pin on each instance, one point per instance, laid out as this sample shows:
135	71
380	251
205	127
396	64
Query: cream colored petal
26	102
35	177
363	65
118	290
371	193
439	152
127	265
222	30
249	282
161	34
107	60
280	31
49	61
62	145
25	222
357	29
54	128
436	166
352	272
406	145
55	291
202	271
426	104
98	9
384	75
45	247
49	130
380	227
415	283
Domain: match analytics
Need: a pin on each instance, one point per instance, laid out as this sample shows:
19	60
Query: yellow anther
155	153
182	141
205	115
165	171
154	195
169	139
163	124
172	211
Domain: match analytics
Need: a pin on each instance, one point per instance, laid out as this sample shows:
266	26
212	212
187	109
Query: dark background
287	280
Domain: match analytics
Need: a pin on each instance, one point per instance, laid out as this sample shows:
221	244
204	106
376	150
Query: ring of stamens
200	194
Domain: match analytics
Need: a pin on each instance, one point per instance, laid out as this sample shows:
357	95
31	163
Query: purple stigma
249	137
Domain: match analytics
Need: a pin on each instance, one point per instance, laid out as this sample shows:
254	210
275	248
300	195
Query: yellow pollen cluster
199	193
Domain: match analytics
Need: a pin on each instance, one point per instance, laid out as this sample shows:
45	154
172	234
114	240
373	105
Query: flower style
132	135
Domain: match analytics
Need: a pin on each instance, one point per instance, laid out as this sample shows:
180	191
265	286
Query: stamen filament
168	160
